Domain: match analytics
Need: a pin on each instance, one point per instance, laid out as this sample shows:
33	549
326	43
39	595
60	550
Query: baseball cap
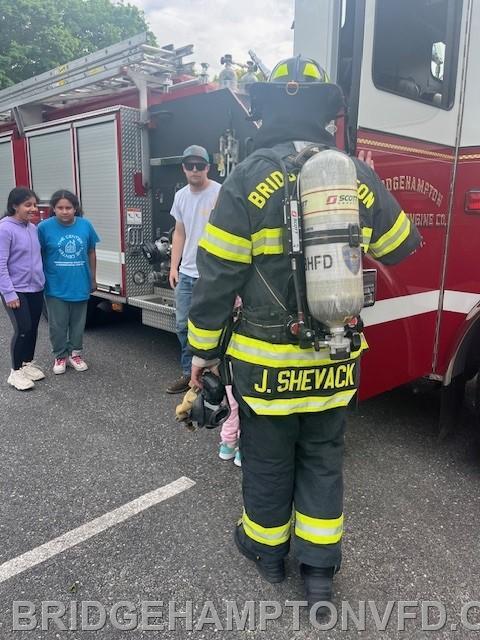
196	151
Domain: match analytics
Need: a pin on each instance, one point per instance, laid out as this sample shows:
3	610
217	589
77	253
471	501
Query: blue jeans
183	302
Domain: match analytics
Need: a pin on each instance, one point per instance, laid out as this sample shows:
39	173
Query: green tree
38	35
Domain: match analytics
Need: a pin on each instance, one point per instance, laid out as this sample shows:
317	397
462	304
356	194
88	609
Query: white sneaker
32	372
19	380
77	362
60	365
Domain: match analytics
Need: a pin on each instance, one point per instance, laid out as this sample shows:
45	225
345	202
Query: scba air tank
331	243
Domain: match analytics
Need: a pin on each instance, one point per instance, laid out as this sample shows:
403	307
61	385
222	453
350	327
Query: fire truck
111	127
409	73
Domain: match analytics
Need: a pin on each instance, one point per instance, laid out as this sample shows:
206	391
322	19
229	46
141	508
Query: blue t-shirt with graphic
65	258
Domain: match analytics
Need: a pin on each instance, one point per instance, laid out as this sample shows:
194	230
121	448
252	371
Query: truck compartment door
99	190
7	174
51	161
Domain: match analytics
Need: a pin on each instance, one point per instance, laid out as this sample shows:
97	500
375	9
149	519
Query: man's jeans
183	301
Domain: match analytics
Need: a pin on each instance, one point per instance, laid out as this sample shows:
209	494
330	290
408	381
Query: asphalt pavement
81	446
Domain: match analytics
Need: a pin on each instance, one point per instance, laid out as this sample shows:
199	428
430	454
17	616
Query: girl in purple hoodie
21	284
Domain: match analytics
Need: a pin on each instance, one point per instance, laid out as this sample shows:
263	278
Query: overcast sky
216	27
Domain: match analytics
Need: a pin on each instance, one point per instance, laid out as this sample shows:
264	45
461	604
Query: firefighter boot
272	569
318	586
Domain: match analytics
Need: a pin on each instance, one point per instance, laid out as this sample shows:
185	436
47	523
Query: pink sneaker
77	362
59	365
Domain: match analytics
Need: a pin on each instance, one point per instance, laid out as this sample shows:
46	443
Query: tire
476	406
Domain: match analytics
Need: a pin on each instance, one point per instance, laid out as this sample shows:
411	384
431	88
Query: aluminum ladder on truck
127	64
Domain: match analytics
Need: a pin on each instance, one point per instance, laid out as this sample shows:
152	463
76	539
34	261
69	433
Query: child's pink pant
231	427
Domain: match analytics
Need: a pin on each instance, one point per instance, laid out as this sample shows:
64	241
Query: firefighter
293	400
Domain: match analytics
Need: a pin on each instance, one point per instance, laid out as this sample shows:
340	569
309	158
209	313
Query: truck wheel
476	400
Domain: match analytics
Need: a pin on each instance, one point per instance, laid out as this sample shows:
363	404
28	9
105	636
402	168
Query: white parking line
80	534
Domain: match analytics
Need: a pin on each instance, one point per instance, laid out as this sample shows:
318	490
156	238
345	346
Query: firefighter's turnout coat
242	251
292	400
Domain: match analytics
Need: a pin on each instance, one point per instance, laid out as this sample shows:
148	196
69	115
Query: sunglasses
191	166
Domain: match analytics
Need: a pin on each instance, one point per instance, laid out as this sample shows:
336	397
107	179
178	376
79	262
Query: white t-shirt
192	209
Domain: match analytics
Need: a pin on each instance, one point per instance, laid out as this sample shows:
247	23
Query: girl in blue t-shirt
69	261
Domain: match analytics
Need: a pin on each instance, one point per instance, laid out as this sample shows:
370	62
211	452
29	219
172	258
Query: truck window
415	53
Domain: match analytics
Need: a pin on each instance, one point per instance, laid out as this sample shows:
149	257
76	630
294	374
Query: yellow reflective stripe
366	237
226	245
308	404
215	250
204	339
280	71
281	355
230	238
311	70
267	241
272	536
318	530
392	238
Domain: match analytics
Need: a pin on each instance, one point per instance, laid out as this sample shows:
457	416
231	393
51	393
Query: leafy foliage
38	35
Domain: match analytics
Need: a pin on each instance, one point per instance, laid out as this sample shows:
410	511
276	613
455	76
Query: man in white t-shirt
191	209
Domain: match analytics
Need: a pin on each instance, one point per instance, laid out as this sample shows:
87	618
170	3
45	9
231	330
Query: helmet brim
332	94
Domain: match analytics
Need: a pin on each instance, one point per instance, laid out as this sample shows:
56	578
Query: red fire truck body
410	72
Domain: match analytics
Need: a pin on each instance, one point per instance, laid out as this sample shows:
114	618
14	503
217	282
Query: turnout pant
292	468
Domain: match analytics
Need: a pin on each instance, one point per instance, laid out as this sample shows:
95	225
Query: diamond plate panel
164	320
134	234
168	295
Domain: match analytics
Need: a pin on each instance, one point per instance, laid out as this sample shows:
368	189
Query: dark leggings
25	321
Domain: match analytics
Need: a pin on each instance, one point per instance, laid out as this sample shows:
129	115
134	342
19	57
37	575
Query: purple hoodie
20	259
